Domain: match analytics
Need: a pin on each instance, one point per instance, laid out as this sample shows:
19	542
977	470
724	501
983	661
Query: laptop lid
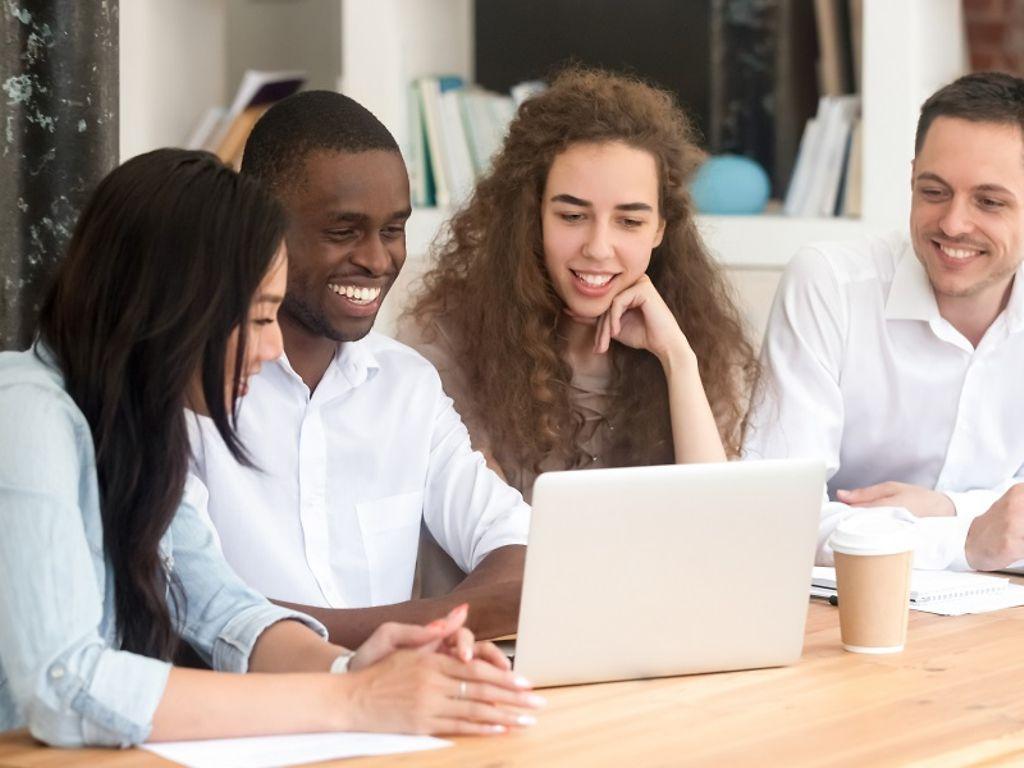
653	571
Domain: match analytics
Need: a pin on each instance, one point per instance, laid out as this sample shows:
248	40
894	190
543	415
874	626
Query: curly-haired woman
573	312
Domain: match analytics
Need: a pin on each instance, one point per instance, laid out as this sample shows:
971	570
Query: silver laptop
670	570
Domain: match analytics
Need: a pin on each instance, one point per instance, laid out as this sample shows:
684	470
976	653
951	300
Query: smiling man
899	361
352	439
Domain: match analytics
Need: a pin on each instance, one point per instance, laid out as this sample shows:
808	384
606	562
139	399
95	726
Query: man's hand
996	538
921	502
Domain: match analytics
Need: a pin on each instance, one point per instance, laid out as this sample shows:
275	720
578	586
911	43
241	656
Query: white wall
303	35
386	44
172	69
911	48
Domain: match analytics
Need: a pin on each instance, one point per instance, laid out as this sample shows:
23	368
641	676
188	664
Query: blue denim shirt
61	671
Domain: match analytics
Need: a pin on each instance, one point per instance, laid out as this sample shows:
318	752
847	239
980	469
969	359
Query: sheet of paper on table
271	751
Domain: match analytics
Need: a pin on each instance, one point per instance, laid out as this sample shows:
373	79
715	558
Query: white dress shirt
331	516
862	372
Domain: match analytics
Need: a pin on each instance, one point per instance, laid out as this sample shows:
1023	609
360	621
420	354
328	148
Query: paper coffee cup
873	556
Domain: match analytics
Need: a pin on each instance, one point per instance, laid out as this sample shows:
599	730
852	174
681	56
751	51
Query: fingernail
436	624
536	701
497	729
467	654
459	609
526	720
522	682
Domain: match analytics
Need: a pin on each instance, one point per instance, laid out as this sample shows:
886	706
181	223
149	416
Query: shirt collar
354	362
1015	306
911	296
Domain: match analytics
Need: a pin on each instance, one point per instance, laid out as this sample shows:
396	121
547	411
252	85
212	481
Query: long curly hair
490	291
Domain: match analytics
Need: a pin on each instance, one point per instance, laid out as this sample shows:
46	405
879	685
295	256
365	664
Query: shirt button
56	672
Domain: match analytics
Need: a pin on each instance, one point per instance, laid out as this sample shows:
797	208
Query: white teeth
594	281
958	253
356	294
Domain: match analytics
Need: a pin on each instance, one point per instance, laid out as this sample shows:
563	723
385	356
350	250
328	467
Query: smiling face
346	240
600	221
263	341
967	210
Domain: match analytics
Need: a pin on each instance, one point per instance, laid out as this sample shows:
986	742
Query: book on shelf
486	116
821	184
835	46
853	174
224	131
205	127
857	41
795	94
455	129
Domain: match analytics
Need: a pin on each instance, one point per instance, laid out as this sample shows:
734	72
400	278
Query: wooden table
955	697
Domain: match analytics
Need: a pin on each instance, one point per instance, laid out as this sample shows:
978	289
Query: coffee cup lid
872	534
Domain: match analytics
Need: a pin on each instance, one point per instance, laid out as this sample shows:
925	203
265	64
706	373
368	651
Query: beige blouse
588	396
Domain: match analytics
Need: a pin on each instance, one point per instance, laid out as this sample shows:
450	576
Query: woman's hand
447	635
421	691
638	317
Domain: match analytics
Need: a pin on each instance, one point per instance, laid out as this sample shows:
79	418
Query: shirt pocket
391	533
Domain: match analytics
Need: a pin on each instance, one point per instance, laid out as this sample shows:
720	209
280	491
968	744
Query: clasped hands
435	679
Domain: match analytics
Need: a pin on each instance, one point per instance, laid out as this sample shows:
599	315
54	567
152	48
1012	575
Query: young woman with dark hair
573	312
167	301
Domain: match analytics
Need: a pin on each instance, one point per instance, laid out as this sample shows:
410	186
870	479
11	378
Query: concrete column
58	138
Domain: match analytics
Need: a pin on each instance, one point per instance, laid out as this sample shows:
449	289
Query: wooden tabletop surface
954	697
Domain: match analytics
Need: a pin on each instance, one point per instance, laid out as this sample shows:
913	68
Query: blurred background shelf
373	49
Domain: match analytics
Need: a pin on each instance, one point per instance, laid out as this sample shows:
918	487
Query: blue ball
730	184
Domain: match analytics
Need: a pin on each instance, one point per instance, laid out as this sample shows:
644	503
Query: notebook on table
948	593
930	586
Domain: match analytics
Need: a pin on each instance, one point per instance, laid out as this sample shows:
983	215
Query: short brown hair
982	97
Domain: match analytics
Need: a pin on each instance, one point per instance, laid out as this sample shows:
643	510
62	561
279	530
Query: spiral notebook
929	586
932	587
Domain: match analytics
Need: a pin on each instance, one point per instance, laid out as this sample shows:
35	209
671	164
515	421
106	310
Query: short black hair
306	122
981	97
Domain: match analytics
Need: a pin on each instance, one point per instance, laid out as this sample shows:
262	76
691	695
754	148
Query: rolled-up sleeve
223	617
64	681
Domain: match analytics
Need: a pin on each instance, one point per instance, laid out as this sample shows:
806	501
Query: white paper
1011	597
272	751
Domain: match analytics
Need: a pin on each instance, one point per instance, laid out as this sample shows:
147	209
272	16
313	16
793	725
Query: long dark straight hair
161	269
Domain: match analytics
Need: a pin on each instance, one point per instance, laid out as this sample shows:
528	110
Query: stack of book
224	131
827	176
455	129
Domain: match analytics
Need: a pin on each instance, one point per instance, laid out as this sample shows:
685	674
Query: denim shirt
61	670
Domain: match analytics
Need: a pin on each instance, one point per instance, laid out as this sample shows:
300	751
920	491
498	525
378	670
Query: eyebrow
337	216
998	188
573	200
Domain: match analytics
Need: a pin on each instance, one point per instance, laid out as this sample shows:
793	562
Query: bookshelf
911	47
175	62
